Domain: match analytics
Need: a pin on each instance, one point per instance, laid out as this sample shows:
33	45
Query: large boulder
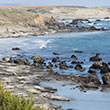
38	59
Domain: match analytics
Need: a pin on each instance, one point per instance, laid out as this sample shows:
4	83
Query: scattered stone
104	70
106	79
94	79
78	51
90	85
55	59
77	62
95	58
55	53
6	59
107	18
75	57
92	72
38	59
63	65
98	20
79	67
16	48
97	65
21	61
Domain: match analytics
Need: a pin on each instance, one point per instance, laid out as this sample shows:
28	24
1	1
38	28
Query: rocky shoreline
23	78
17	22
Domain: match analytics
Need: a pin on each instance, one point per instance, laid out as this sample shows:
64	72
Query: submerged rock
78	51
75	57
55	59
55	53
16	48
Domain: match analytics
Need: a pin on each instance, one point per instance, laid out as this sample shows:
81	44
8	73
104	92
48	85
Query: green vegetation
14	102
13	16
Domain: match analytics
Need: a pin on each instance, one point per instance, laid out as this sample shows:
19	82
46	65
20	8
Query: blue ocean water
64	43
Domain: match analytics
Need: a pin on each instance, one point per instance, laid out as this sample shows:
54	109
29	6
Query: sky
88	3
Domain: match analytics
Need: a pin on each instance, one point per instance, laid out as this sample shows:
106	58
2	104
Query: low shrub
9	101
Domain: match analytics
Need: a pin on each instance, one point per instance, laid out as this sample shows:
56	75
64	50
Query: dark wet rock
63	65
107	18
77	62
103	67
98	20
95	58
104	70
95	23
94	79
89	22
78	51
79	67
97	65
55	59
38	59
75	57
6	59
56	66
70	66
50	65
106	79
21	61
55	53
92	72
76	21
90	85
16	48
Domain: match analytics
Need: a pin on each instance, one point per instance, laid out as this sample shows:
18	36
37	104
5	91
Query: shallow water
91	100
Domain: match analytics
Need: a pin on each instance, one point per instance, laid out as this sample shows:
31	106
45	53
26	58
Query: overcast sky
89	3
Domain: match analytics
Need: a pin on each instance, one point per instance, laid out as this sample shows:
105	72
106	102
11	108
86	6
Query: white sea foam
44	44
